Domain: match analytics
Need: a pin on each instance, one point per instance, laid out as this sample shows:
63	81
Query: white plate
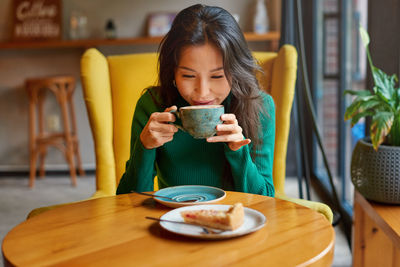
201	194
253	221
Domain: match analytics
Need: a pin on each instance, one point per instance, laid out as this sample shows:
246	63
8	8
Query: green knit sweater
189	161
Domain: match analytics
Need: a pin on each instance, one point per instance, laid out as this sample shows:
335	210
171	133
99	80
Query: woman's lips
202	102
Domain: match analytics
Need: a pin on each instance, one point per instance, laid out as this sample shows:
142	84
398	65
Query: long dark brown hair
198	25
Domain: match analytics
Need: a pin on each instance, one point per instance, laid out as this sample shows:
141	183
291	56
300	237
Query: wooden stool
67	140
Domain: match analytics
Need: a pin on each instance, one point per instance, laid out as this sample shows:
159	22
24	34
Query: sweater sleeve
140	168
256	176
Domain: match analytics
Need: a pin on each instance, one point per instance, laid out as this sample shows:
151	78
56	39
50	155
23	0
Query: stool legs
42	149
42	155
78	159
62	98
32	140
74	130
66	140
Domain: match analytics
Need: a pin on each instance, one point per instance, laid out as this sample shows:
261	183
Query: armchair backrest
112	85
279	81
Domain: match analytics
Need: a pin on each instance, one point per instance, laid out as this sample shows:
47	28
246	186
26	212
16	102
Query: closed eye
217	76
187	76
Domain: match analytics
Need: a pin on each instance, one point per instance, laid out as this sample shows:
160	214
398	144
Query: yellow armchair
113	85
279	81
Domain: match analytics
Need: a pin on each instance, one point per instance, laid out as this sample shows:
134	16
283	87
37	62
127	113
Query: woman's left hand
229	132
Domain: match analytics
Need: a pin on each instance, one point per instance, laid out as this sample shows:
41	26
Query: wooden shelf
255	37
86	43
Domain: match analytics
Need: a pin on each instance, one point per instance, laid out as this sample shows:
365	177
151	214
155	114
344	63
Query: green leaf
380	127
360	115
366	98
362	104
384	83
364	36
382	96
374	105
357	92
394	135
397	100
352	110
394	79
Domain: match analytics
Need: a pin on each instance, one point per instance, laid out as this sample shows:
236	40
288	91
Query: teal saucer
187	195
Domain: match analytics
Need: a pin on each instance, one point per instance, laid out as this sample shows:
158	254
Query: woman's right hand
158	130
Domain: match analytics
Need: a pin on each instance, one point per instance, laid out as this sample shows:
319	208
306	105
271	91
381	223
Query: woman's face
200	76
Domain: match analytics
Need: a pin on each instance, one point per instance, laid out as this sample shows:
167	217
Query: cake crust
224	220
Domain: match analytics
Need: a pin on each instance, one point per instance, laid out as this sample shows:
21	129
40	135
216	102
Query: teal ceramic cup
199	121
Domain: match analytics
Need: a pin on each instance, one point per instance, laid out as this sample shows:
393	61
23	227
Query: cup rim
201	106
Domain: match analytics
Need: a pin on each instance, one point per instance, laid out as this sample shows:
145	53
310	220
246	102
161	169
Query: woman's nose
203	87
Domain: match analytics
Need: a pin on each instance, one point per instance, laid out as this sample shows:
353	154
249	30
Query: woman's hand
230	132
158	131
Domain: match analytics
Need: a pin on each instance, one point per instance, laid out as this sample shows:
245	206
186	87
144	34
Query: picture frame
159	23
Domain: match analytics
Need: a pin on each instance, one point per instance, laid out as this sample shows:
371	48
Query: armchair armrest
317	206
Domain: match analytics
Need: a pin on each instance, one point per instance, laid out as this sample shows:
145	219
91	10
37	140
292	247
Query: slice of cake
219	219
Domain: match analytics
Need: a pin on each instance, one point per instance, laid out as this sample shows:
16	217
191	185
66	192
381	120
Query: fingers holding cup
230	132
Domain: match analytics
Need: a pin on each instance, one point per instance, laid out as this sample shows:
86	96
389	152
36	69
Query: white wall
17	65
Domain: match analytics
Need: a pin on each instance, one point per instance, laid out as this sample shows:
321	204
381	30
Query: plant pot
376	174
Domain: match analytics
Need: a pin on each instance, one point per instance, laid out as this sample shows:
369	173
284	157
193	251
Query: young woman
203	60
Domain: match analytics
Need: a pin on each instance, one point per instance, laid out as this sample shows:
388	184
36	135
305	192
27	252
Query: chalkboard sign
36	20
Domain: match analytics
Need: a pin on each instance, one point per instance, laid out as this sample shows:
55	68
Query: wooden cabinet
376	233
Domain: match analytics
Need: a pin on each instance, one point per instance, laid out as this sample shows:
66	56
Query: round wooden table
112	231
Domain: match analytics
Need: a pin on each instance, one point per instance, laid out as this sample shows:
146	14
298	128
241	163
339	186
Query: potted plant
375	163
